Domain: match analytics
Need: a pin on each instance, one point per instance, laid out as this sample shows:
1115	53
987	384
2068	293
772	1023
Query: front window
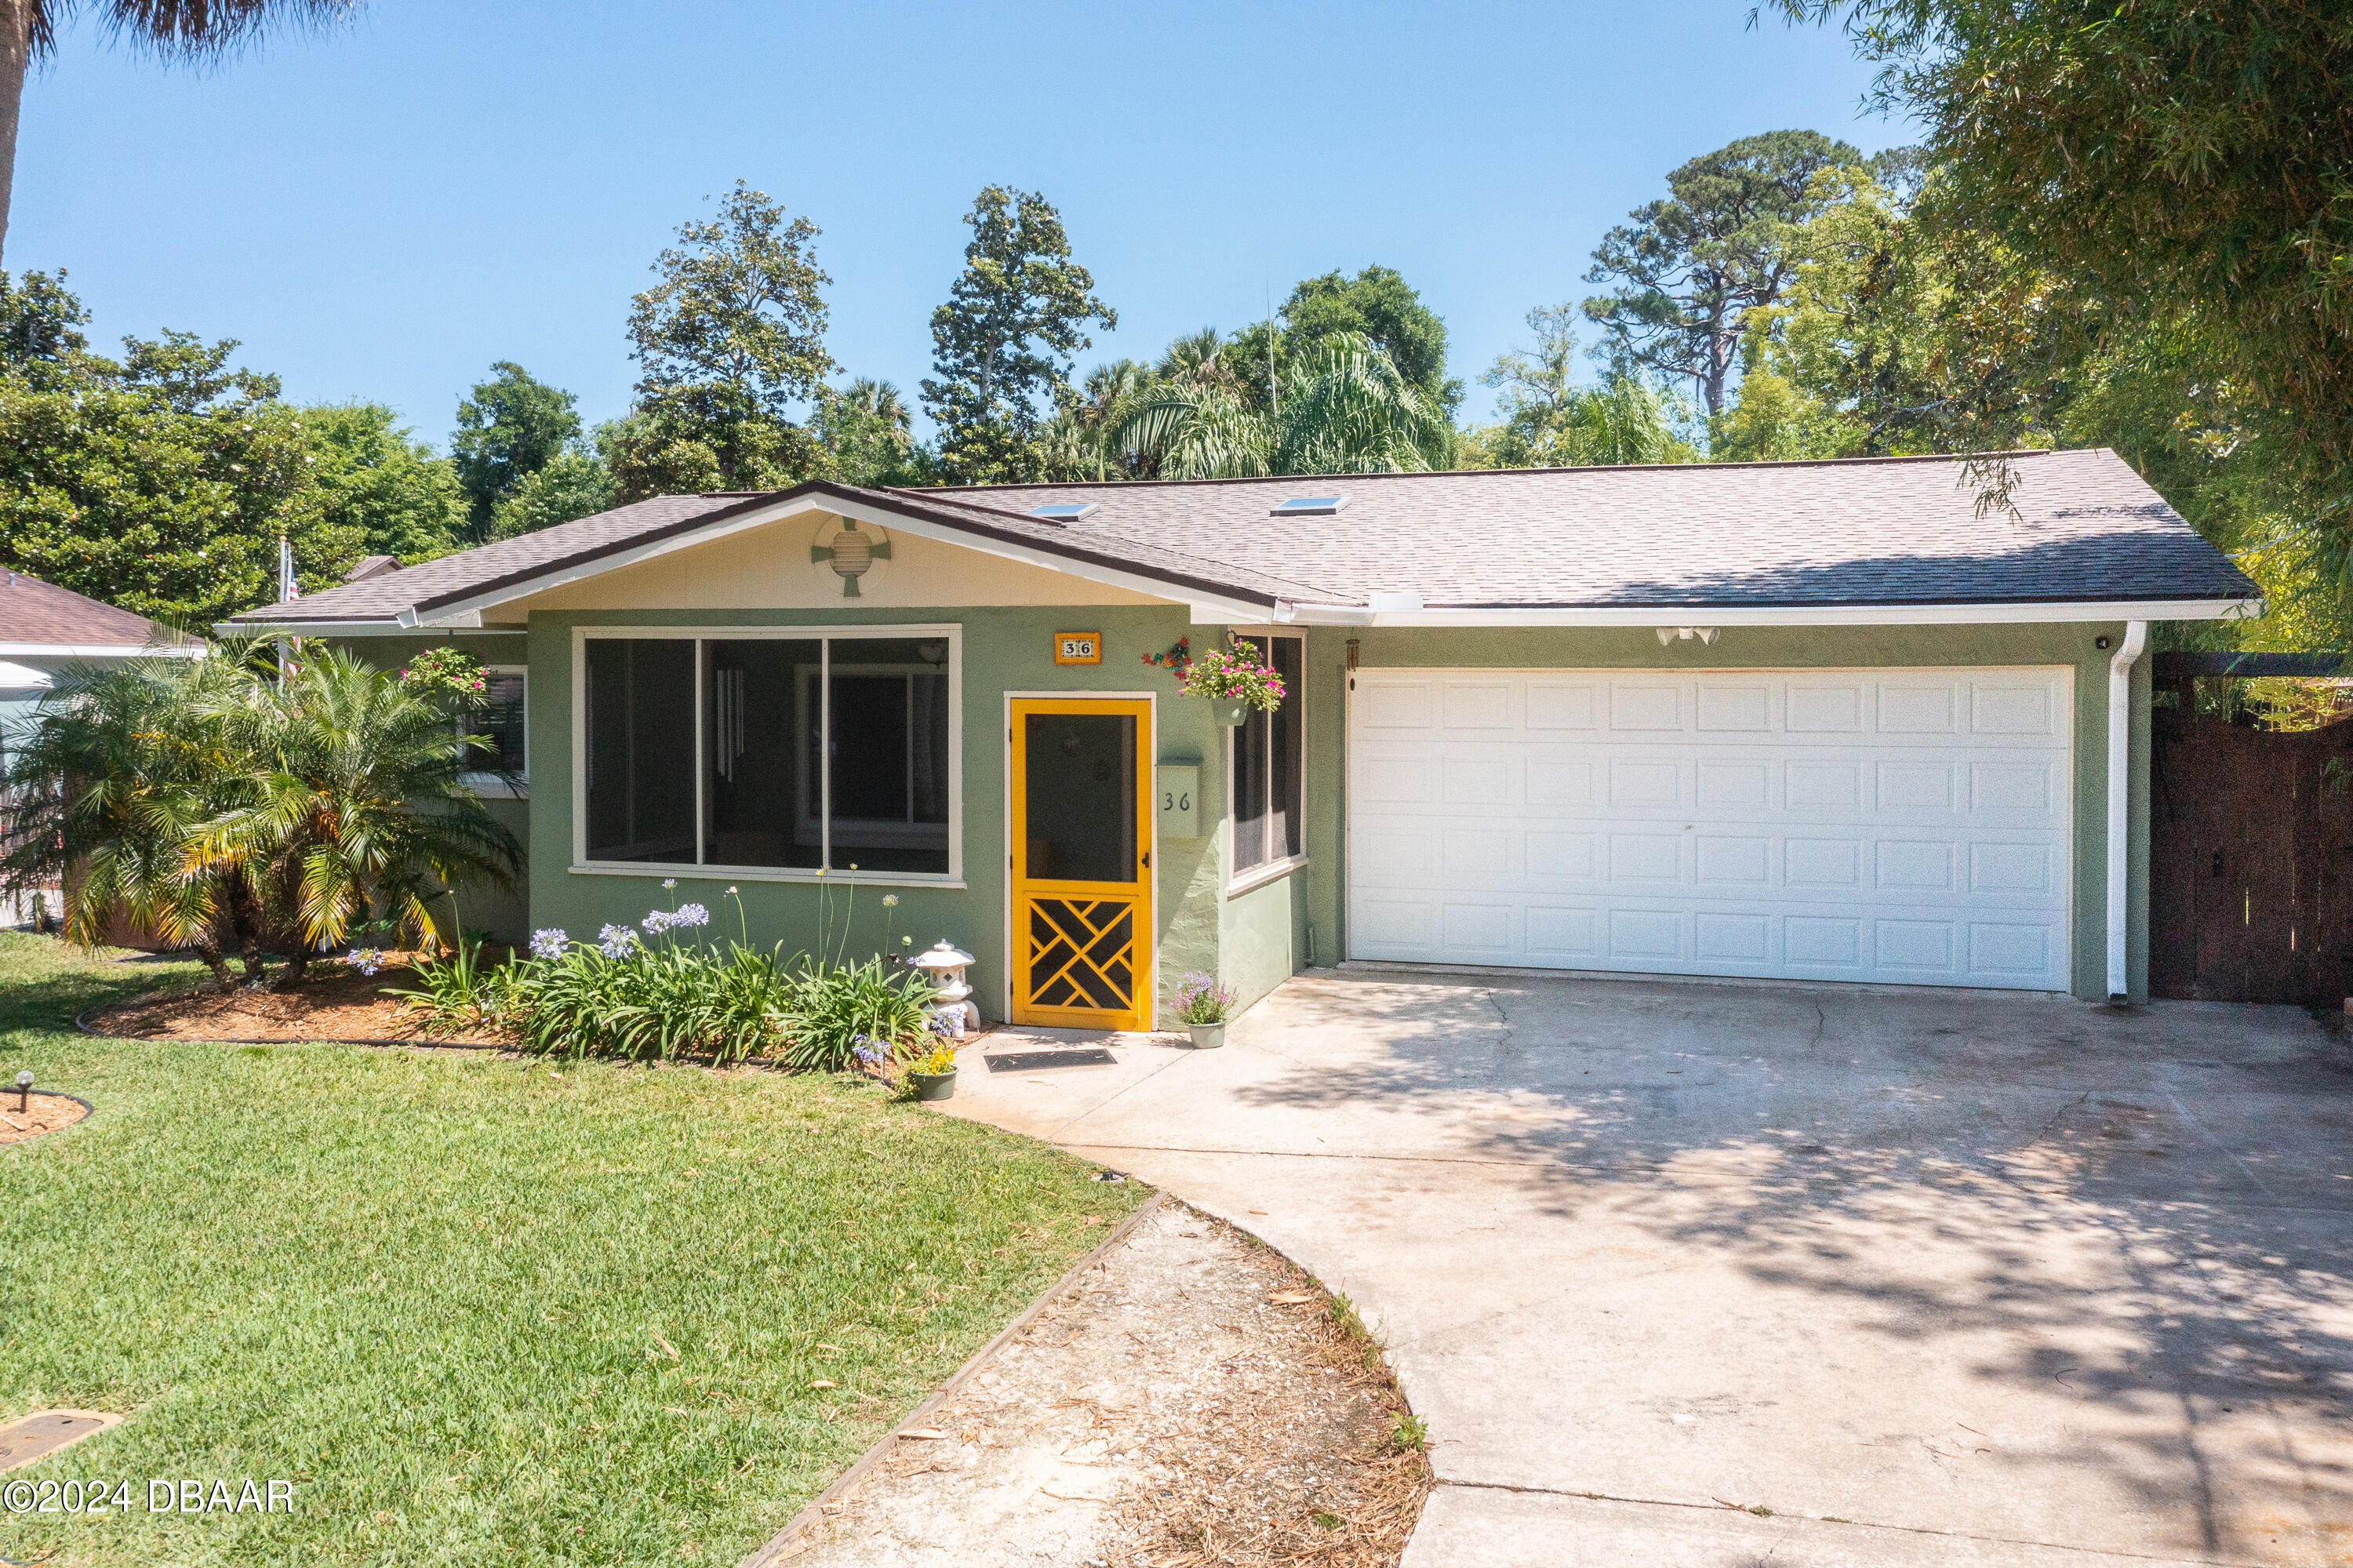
1267	780
789	752
507	757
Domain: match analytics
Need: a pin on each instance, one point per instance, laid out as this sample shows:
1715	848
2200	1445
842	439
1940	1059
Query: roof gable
1836	538
37	613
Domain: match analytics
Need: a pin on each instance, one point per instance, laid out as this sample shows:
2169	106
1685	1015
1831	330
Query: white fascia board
392	627
97	651
864	511
1791	615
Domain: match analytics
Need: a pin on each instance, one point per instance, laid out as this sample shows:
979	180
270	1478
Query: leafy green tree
159	484
1002	343
569	485
2181	168
1343	409
41	343
864	429
1551	419
509	427
730	343
191	31
375	480
1692	267
1376	304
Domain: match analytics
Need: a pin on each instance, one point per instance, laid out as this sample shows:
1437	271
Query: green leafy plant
653	1000
455	988
1409	1433
240	809
1225	673
447	671
839	1008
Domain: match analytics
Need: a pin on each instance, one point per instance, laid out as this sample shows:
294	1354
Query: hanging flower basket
1234	682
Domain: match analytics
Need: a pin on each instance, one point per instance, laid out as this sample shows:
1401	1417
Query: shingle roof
34	611
1856	532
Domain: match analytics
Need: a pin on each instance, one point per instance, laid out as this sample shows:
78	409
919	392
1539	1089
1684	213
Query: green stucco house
1832	721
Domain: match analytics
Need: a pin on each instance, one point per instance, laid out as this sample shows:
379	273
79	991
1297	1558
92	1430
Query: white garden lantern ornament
944	966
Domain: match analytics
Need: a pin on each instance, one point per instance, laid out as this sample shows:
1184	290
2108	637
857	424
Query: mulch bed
44	1113
1193	1400
336	1003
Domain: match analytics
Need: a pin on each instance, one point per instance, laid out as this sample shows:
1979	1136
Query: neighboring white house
43	630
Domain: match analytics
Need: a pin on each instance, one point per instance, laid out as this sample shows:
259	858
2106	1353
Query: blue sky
383	212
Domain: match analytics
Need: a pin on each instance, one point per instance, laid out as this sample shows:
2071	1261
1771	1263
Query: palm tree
1078	442
354	805
1343	409
105	785
236	809
172	30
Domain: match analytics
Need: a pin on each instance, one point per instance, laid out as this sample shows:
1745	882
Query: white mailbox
1179	788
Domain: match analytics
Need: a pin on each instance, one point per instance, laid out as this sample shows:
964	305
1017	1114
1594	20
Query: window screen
815	752
1269	771
641	725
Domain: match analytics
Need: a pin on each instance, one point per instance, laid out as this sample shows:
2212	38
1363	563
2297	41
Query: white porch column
2120	669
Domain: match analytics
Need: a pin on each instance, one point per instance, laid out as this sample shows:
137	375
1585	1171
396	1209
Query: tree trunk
15	56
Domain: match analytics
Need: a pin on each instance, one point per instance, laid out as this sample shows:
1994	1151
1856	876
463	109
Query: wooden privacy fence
2251	849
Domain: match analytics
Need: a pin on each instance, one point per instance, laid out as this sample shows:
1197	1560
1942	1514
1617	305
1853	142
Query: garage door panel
1561	705
1645	707
1875	845
1721	707
1478	704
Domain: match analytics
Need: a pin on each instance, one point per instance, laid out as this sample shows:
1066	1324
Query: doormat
1029	1061
43	1433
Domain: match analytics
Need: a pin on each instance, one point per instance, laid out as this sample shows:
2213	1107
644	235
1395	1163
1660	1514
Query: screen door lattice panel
1082	953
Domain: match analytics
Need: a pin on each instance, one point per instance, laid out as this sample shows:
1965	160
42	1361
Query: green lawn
479	1311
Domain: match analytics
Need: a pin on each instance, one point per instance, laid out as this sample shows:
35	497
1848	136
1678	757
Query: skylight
1309	506
1065	511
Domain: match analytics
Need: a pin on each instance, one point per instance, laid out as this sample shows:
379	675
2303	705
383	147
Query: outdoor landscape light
25	1089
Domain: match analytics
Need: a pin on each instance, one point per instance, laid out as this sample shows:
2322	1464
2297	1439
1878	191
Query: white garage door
1900	825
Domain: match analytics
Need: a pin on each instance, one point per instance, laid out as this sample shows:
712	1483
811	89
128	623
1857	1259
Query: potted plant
1202	1006
933	1072
1234	682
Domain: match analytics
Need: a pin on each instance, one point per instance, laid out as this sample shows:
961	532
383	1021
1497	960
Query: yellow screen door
1083	861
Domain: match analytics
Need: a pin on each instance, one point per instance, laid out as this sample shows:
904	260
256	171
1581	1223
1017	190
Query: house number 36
1176	800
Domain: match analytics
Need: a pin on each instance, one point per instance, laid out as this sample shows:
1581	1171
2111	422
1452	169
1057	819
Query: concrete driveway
1912	1277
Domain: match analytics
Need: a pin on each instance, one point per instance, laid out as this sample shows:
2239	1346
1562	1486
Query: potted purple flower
1202	1007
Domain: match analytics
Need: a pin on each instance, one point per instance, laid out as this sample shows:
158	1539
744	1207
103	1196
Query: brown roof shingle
1856	532
34	611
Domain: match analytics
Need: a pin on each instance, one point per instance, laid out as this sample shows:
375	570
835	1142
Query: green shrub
655	1000
624	998
867	1014
455	991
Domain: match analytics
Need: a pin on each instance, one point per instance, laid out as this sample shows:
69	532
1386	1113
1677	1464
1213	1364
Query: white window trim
1241	881
950	632
491	786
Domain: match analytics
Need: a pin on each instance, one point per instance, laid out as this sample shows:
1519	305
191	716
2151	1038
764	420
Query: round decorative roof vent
850	550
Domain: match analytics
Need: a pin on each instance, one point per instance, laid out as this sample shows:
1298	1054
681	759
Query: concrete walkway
1911	1277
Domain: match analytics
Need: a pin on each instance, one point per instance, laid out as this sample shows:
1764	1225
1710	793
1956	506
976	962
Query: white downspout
2120	804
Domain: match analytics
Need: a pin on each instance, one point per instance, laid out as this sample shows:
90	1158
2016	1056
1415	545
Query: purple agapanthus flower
657	921
368	960
690	914
616	940
549	942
